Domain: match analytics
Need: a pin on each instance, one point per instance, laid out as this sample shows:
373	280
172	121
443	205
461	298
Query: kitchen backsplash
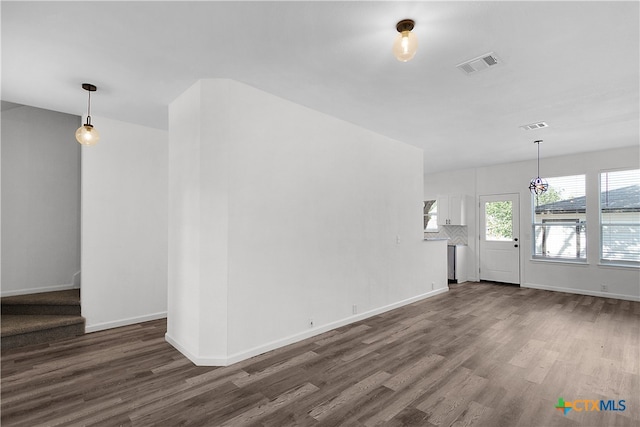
457	234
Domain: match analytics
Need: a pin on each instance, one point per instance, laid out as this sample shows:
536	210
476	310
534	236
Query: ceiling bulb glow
87	134
406	43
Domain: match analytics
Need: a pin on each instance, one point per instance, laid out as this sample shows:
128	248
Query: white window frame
548	225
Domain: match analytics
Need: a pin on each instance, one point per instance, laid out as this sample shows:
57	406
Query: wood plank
479	355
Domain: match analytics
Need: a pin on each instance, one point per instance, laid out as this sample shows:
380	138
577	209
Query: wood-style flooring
480	355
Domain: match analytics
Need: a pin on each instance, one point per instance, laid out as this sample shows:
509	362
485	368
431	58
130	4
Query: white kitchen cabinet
451	210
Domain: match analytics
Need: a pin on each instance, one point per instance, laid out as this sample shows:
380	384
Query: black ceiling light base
89	87
405	25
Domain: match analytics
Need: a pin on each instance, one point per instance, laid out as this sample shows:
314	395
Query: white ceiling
573	64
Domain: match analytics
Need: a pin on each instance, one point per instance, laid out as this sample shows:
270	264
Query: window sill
618	266
560	261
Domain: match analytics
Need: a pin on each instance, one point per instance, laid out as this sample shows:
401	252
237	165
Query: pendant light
538	185
406	44
87	134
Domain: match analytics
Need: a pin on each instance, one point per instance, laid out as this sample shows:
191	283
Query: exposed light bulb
406	44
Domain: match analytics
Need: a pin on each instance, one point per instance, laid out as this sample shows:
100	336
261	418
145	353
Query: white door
500	238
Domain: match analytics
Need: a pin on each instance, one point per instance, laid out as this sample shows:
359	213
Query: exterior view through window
560	220
620	217
430	211
498	220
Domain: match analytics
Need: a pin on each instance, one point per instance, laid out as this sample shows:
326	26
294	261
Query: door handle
515	246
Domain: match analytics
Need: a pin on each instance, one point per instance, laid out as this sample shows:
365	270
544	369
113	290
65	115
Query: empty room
300	213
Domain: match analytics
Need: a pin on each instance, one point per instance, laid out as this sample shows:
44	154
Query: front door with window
500	238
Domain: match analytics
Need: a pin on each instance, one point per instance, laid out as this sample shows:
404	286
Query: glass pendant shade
405	46
87	135
538	186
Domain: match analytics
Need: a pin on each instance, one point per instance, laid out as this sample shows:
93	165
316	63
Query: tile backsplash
457	234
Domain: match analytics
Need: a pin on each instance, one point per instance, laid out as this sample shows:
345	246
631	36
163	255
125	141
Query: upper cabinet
451	210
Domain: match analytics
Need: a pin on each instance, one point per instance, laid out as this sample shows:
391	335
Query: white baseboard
197	360
37	290
246	354
581	292
124	322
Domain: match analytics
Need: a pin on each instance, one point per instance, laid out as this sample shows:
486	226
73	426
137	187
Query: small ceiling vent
533	126
480	63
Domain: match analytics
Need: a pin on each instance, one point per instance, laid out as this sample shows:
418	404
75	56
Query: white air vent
533	126
478	64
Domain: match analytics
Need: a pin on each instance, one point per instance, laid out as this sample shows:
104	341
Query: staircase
40	318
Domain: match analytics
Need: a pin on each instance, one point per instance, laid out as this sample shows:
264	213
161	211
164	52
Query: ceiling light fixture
538	185
87	134
406	44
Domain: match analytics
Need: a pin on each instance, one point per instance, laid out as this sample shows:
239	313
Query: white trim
582	292
125	322
618	266
38	290
197	360
563	261
246	354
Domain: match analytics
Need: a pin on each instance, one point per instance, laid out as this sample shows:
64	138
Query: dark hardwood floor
482	354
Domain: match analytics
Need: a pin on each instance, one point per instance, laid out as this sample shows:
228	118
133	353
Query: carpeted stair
40	318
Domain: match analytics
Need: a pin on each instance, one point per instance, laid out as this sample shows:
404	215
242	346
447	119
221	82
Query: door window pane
498	221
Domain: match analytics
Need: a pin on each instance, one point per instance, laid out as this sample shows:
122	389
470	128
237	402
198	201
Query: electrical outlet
604	288
433	286
354	309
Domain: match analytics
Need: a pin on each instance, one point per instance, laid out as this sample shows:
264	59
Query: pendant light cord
536	143
89	119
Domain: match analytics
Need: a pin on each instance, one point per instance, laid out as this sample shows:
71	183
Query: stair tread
22	324
66	297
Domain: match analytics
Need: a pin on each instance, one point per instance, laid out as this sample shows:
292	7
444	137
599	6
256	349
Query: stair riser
65	310
42	336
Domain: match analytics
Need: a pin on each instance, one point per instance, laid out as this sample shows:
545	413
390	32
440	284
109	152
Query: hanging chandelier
538	185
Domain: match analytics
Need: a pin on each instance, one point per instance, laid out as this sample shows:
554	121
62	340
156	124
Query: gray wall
40	200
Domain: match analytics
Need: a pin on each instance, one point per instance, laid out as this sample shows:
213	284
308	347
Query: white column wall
322	216
124	225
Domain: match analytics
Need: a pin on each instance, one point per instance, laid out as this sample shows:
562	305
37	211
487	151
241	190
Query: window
560	220
620	217
499	221
430	210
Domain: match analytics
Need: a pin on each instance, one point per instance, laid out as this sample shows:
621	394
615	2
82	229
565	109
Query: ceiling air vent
533	126
478	64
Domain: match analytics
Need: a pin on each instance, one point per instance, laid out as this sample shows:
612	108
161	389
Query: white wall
40	200
514	178
284	215
124	225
